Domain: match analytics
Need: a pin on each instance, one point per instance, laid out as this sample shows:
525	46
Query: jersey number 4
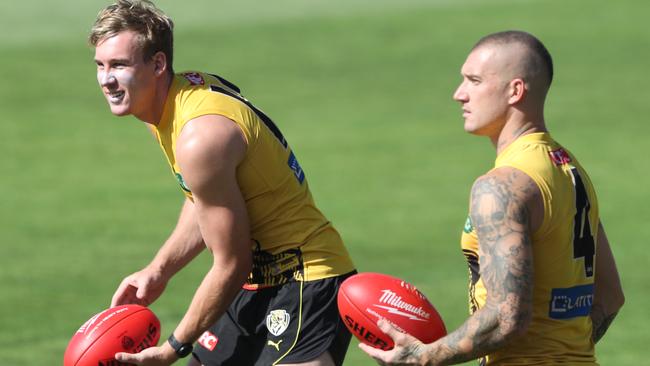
583	240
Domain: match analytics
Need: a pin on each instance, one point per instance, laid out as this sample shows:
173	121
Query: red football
365	298
126	328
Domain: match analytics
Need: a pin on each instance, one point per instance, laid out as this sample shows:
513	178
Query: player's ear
160	63
517	90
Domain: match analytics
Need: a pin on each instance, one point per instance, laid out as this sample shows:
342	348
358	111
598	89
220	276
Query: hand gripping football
126	328
365	298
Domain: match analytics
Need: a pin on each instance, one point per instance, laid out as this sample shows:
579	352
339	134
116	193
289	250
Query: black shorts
291	323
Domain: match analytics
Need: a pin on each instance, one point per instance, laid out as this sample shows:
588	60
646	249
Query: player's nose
460	95
106	79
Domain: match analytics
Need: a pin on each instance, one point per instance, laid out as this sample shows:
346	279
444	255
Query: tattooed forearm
600	325
470	341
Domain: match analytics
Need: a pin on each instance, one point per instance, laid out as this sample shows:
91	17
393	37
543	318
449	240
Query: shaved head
506	78
520	55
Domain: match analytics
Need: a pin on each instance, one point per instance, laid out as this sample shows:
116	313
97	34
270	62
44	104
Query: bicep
208	153
501	216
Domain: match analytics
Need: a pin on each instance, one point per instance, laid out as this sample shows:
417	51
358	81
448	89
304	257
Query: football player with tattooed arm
268	296
544	286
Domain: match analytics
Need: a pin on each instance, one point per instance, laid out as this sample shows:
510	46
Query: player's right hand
142	288
407	351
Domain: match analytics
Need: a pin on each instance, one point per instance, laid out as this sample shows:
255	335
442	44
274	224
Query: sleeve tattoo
501	218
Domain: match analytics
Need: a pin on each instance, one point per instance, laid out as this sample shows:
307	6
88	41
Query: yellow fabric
280	206
560	331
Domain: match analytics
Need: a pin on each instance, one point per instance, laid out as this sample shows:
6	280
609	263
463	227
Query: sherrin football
125	328
366	297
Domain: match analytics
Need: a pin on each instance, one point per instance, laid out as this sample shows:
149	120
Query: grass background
362	91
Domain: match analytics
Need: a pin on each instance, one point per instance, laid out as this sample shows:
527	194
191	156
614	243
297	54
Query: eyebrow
470	75
116	60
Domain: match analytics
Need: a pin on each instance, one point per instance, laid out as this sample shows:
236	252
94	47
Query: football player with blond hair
269	295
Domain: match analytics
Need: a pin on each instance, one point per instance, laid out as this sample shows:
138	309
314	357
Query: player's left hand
407	351
153	356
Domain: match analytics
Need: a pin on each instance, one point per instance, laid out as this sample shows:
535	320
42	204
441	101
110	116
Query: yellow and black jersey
564	258
291	237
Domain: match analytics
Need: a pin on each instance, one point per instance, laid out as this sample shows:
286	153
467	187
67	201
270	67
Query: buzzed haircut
153	27
540	59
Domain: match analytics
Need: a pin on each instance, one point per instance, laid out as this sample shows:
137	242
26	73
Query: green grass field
362	91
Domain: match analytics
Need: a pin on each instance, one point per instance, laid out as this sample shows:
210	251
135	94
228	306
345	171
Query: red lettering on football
125	328
366	297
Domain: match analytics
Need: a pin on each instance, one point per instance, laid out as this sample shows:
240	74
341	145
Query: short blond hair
153	26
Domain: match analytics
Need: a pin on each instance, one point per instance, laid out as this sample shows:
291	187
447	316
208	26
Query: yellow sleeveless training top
292	239
563	255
